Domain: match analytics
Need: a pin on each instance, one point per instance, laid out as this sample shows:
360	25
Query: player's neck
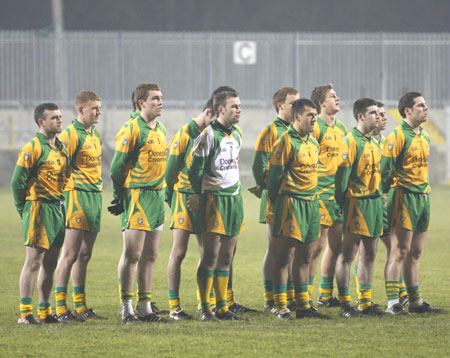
301	132
200	120
287	121
361	128
87	126
151	122
330	119
415	127
224	124
50	136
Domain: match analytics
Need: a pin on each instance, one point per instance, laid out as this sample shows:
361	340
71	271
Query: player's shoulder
161	127
237	130
341	125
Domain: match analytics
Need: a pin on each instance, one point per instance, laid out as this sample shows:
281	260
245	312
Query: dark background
232	15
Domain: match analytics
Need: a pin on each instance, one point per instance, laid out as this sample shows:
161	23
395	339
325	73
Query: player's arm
22	173
125	145
393	147
261	158
279	158
174	164
348	156
200	151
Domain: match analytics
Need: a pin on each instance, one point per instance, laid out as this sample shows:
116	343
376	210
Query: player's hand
193	202
116	208
256	191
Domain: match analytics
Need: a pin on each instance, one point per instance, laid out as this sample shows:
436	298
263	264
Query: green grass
264	335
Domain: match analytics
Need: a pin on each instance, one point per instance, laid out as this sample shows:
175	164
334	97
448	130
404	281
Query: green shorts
43	223
144	209
183	218
411	210
83	210
328	212
224	214
296	218
363	216
388	212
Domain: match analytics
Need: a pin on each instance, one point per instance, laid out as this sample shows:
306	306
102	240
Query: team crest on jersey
201	146
181	220
402	218
88	147
345	156
27	156
414	149
216	223
390	146
140	221
125	141
322	216
343	136
291	228
328	137
278	154
367	155
357	224
78	219
51	162
303	155
175	144
264	141
58	161
38	236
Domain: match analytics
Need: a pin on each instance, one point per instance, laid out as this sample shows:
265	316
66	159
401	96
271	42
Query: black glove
256	191
116	208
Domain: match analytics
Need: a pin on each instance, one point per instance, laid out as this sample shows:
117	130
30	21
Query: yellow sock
220	288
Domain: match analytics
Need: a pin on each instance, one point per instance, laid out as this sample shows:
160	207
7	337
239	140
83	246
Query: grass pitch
264	335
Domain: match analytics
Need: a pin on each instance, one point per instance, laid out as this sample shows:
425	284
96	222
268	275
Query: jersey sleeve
344	170
28	158
261	157
279	158
174	163
203	144
393	147
125	145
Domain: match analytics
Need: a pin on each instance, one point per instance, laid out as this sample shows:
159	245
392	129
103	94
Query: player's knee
369	256
414	254
177	257
84	256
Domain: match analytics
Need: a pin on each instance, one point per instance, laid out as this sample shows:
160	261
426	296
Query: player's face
371	118
231	113
152	106
331	103
307	119
91	112
52	124
419	111
285	108
383	119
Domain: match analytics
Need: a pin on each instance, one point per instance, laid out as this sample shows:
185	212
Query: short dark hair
281	94
319	93
40	109
220	99
380	104
133	102
209	105
299	106
361	105
141	92
407	101
223	89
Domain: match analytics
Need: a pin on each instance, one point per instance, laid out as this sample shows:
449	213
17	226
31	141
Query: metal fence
37	67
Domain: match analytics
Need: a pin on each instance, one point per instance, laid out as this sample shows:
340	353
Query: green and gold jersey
84	150
180	157
263	147
358	174
294	167
140	157
330	139
215	160
39	173
406	153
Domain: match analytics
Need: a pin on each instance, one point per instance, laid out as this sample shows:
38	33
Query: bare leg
79	269
177	255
